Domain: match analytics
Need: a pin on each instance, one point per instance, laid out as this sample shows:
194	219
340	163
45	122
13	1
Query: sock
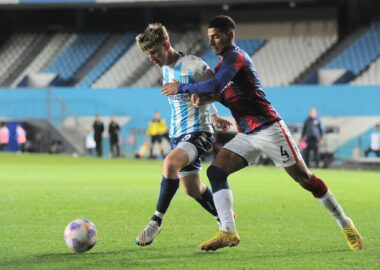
223	202
331	204
207	202
223	198
158	217
167	191
316	186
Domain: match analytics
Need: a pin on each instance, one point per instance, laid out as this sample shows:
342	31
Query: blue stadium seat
248	45
360	54
76	54
112	56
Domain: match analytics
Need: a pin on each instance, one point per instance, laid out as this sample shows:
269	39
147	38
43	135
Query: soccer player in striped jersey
191	132
260	130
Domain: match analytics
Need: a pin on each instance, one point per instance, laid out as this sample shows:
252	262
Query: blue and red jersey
241	91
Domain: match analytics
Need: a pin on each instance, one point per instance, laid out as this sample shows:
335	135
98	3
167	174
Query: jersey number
284	153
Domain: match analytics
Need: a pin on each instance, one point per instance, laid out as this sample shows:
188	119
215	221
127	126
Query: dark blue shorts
202	141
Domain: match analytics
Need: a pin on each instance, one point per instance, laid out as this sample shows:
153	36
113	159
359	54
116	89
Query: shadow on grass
133	257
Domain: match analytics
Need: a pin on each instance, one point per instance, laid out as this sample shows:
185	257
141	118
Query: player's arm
217	121
232	63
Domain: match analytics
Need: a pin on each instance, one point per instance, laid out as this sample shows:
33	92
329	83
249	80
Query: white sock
159	214
223	200
334	208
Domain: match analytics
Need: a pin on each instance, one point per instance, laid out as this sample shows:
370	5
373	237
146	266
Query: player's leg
152	142
197	145
193	187
300	173
307	154
284	153
235	155
161	145
173	162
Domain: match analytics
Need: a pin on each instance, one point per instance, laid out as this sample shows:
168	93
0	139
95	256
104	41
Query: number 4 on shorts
284	153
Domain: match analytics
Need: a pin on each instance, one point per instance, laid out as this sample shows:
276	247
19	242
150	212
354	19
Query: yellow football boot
354	240
220	240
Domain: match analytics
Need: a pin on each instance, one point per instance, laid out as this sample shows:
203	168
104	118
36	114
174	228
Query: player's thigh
177	158
278	144
236	154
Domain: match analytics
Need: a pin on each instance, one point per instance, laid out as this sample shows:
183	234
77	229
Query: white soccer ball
80	235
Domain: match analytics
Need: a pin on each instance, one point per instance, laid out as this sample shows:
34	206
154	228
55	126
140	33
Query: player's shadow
276	255
110	259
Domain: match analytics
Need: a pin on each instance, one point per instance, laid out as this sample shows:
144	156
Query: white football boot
150	232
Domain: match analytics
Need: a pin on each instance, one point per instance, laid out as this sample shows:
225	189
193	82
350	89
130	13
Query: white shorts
275	141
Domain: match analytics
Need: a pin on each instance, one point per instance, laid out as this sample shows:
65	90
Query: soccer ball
80	235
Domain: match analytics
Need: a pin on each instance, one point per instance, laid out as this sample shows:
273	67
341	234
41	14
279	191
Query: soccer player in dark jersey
260	130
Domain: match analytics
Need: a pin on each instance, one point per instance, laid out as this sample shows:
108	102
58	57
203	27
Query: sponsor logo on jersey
181	97
228	85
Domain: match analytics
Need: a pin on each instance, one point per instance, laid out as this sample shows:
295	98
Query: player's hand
170	88
197	100
221	123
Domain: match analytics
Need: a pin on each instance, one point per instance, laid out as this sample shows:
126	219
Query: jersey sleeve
213	110
232	62
201	70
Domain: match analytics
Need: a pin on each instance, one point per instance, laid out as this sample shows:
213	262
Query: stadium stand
14	51
284	58
112	56
52	48
357	57
75	55
251	46
370	76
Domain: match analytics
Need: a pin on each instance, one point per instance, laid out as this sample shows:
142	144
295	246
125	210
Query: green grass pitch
281	226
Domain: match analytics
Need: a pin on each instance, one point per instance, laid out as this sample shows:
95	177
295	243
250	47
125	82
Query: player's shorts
275	141
196	145
156	138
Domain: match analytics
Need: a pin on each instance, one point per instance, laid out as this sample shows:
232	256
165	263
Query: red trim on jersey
239	61
289	143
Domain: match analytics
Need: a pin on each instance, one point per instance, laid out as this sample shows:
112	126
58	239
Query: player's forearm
201	88
211	86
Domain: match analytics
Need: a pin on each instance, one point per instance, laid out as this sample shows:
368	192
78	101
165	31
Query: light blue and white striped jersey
186	118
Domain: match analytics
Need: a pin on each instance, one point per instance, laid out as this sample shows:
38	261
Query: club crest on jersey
185	79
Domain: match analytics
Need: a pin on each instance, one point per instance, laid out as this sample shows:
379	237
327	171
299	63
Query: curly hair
154	34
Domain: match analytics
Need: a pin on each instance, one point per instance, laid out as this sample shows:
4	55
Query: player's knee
171	165
218	178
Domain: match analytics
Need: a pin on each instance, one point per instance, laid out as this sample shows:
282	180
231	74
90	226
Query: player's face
218	40
159	55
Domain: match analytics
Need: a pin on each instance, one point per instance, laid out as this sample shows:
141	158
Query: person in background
113	131
90	144
156	130
98	127
312	135
21	138
4	136
375	142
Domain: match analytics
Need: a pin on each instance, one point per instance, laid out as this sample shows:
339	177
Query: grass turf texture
281	226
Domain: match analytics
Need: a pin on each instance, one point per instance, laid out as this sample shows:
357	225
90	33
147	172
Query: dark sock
217	178
167	191
158	219
207	202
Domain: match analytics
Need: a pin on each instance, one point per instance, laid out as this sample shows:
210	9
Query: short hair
154	34
226	23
